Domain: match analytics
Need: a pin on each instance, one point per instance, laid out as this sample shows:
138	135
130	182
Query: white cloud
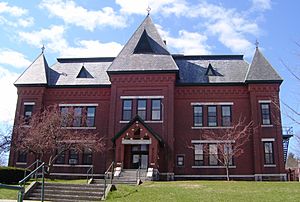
26	22
230	26
17	16
189	43
52	37
90	48
54	40
7	102
261	5
13	58
163	6
71	13
12	10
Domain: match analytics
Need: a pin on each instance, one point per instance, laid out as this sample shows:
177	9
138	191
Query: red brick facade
170	86
175	128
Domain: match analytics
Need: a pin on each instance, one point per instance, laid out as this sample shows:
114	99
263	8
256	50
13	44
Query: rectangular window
28	109
268	149
156	110
127	110
64	116
90	117
199	157
213	154
228	154
22	157
226	115
212	115
60	158
198	116
87	157
73	157
265	113
180	160
77	117
141	108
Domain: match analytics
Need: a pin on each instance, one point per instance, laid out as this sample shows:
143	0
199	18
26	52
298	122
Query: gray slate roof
146	52
228	69
157	60
36	73
65	71
261	70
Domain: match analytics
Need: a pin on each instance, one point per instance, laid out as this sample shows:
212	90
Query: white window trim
29	103
269	165
211	141
264	101
211	127
143	97
79	128
79	105
266	126
268	139
21	163
153	121
124	121
211	103
213	166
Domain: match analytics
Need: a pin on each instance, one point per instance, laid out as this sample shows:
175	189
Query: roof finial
148	9
256	43
43	48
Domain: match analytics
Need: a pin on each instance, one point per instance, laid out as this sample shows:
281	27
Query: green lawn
208	191
12	194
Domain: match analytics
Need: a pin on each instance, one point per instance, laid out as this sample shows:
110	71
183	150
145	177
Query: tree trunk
227	172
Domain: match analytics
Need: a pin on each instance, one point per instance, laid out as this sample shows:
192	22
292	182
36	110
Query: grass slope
208	191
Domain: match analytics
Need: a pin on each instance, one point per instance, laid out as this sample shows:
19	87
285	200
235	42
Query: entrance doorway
139	156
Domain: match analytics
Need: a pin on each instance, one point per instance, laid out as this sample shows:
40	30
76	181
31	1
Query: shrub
11	175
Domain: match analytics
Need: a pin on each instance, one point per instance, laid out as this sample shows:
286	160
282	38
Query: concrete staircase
129	176
68	192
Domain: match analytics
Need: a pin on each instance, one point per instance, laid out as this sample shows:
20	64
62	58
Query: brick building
152	107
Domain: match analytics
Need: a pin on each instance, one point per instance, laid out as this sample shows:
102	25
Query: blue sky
92	28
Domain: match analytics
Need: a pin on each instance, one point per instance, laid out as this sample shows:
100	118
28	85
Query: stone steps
68	192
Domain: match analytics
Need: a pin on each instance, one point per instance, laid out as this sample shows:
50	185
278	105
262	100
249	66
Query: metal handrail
36	163
90	170
106	174
23	181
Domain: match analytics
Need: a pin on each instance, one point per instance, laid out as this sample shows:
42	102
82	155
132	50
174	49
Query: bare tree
46	136
5	141
229	143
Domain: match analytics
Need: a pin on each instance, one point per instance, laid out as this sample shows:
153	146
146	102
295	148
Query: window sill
212	127
212	167
154	121
270	165
266	126
123	121
80	128
21	163
144	121
26	126
69	165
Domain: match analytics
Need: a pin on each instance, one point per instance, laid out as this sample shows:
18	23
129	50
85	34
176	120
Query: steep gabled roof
261	70
36	73
145	51
140	120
